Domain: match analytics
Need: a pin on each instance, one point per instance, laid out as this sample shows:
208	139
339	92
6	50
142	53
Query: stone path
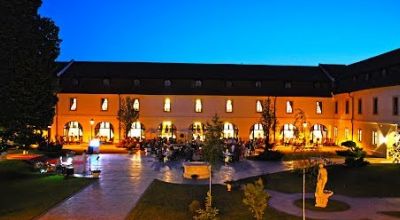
361	208
124	178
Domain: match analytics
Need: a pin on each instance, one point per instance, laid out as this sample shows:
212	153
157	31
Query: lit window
198	106
197	83
288	85
104	104
258	84
167	105
136	82
167	83
359	135
136	105
375	106
346	133
229	84
229	106
319	107
259	107
374	137
229	130
72	104
289	107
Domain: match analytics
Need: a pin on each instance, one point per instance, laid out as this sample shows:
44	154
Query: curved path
361	208
124	178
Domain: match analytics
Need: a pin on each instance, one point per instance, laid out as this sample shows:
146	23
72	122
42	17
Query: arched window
259	107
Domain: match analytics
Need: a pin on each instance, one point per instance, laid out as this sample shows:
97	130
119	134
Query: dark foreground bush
269	155
354	155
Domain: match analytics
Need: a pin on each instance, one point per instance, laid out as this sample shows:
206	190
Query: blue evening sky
301	32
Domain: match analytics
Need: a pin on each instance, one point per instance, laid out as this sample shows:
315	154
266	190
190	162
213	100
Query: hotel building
358	102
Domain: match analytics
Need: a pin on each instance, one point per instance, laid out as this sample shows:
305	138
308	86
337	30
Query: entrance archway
197	129
104	131
288	132
230	130
137	130
256	132
319	133
167	130
73	132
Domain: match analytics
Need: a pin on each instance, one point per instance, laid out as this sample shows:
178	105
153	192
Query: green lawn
25	194
166	201
370	181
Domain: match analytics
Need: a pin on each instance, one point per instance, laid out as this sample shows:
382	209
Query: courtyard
138	186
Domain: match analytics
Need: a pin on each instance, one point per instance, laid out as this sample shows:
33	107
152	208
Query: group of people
171	149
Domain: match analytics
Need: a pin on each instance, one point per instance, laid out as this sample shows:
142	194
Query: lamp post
91	128
48	134
304	176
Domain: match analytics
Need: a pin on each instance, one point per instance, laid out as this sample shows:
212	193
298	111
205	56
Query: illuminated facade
357	102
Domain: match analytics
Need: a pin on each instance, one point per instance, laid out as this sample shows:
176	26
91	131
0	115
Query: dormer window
317	85
258	84
106	82
229	84
197	84
136	83
384	72
367	77
75	82
167	83
354	78
288	85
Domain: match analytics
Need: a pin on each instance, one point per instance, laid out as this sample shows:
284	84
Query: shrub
256	198
270	155
354	155
209	213
50	149
194	206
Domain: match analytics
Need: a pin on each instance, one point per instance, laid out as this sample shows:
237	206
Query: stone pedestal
200	170
321	200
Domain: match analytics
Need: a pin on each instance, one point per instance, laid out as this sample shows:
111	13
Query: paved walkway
361	208
124	178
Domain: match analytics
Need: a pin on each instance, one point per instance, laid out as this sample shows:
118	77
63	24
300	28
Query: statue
322	195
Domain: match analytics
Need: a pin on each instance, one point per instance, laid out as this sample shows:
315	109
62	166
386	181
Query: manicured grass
333	205
370	181
166	201
391	214
25	194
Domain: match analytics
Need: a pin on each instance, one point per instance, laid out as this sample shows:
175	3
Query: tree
300	122
256	198
127	115
29	46
213	144
268	120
